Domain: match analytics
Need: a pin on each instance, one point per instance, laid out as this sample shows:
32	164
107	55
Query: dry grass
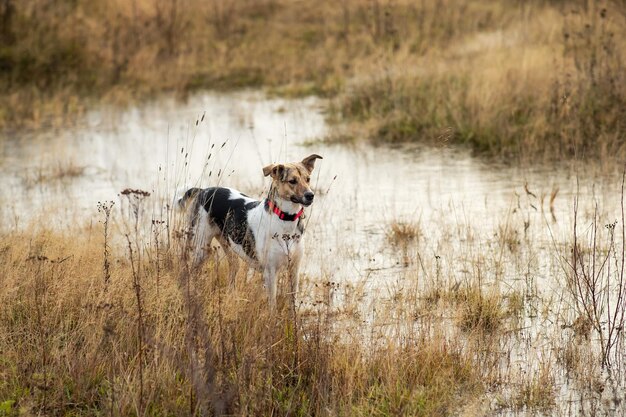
403	233
59	172
531	79
108	319
481	310
92	329
548	84
508	237
537	392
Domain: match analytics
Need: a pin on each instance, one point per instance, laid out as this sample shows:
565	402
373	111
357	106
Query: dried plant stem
598	281
135	268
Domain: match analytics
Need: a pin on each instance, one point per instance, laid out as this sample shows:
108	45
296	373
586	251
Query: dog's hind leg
233	267
249	274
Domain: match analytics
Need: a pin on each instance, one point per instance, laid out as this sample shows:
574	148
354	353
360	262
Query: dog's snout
308	196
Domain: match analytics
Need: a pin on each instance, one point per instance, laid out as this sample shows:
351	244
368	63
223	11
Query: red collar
288	217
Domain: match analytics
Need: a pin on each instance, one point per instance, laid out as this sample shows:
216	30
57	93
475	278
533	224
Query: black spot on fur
231	216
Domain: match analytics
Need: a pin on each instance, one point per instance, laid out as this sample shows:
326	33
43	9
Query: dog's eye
308	180
293	181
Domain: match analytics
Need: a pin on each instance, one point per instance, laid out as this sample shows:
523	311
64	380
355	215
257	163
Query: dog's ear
275	170
309	161
268	170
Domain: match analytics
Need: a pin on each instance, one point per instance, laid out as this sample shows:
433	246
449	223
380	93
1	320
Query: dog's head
292	181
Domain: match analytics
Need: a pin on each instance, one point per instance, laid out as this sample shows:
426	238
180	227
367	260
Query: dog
266	234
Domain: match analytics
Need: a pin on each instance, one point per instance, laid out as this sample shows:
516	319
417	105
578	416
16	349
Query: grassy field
108	319
510	79
548	83
90	328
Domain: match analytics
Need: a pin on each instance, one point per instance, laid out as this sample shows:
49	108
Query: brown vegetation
549	82
110	319
527	78
55	173
90	329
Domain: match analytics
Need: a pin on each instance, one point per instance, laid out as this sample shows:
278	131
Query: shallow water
164	148
464	206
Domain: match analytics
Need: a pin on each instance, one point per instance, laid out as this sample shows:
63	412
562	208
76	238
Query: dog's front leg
199	254
269	277
201	236
294	278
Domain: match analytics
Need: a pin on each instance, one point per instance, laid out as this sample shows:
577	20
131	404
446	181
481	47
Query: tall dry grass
108	318
95	321
531	78
549	84
597	282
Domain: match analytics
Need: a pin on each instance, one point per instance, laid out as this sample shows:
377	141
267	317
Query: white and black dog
266	234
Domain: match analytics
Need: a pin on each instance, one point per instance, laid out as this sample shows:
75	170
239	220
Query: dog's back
224	209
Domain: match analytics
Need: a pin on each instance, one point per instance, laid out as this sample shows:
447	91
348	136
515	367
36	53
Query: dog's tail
189	195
